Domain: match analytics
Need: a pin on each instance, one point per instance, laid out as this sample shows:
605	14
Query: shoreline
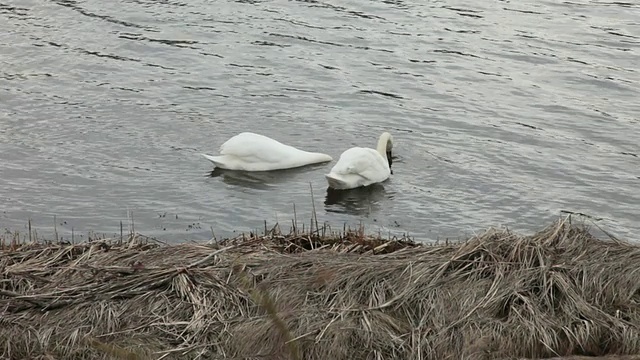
348	295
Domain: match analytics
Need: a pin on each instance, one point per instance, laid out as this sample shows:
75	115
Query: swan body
253	152
359	166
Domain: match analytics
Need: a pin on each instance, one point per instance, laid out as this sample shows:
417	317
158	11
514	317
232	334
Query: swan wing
255	148
253	152
364	162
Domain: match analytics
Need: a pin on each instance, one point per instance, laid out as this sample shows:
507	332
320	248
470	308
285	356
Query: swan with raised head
254	152
359	166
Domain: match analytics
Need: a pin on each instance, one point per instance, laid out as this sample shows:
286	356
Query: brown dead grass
498	295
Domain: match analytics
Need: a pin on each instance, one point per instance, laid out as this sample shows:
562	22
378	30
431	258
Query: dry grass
497	295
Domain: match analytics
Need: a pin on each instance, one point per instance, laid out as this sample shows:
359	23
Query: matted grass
497	295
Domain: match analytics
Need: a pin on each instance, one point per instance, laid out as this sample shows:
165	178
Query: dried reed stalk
558	292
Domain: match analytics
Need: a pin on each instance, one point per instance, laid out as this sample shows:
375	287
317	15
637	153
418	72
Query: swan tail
338	182
216	160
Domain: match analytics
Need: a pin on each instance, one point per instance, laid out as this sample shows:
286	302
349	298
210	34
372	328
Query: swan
248	151
359	166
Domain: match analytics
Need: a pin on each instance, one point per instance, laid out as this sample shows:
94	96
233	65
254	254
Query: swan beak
390	159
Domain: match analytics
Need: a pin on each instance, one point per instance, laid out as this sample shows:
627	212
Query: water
503	113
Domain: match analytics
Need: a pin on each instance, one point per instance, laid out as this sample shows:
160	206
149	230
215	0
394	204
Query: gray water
503	113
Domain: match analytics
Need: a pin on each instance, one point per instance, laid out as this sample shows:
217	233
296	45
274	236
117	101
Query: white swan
360	166
253	152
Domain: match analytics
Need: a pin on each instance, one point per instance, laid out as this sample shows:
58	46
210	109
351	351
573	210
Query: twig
313	204
208	257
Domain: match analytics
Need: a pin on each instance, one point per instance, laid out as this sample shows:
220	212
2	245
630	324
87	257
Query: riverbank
558	292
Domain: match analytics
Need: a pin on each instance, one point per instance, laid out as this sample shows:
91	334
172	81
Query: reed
558	292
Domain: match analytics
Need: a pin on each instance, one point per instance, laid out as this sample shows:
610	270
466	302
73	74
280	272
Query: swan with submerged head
254	152
359	166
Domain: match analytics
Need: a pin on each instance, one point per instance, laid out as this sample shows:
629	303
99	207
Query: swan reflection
260	180
358	201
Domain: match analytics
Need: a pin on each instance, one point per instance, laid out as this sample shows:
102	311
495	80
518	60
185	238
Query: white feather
359	166
253	152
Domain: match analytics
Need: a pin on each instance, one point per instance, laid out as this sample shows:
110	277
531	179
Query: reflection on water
262	180
359	201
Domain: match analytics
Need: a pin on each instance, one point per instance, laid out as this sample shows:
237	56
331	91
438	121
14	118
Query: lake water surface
503	113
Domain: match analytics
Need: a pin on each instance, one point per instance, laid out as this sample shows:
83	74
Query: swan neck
382	146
